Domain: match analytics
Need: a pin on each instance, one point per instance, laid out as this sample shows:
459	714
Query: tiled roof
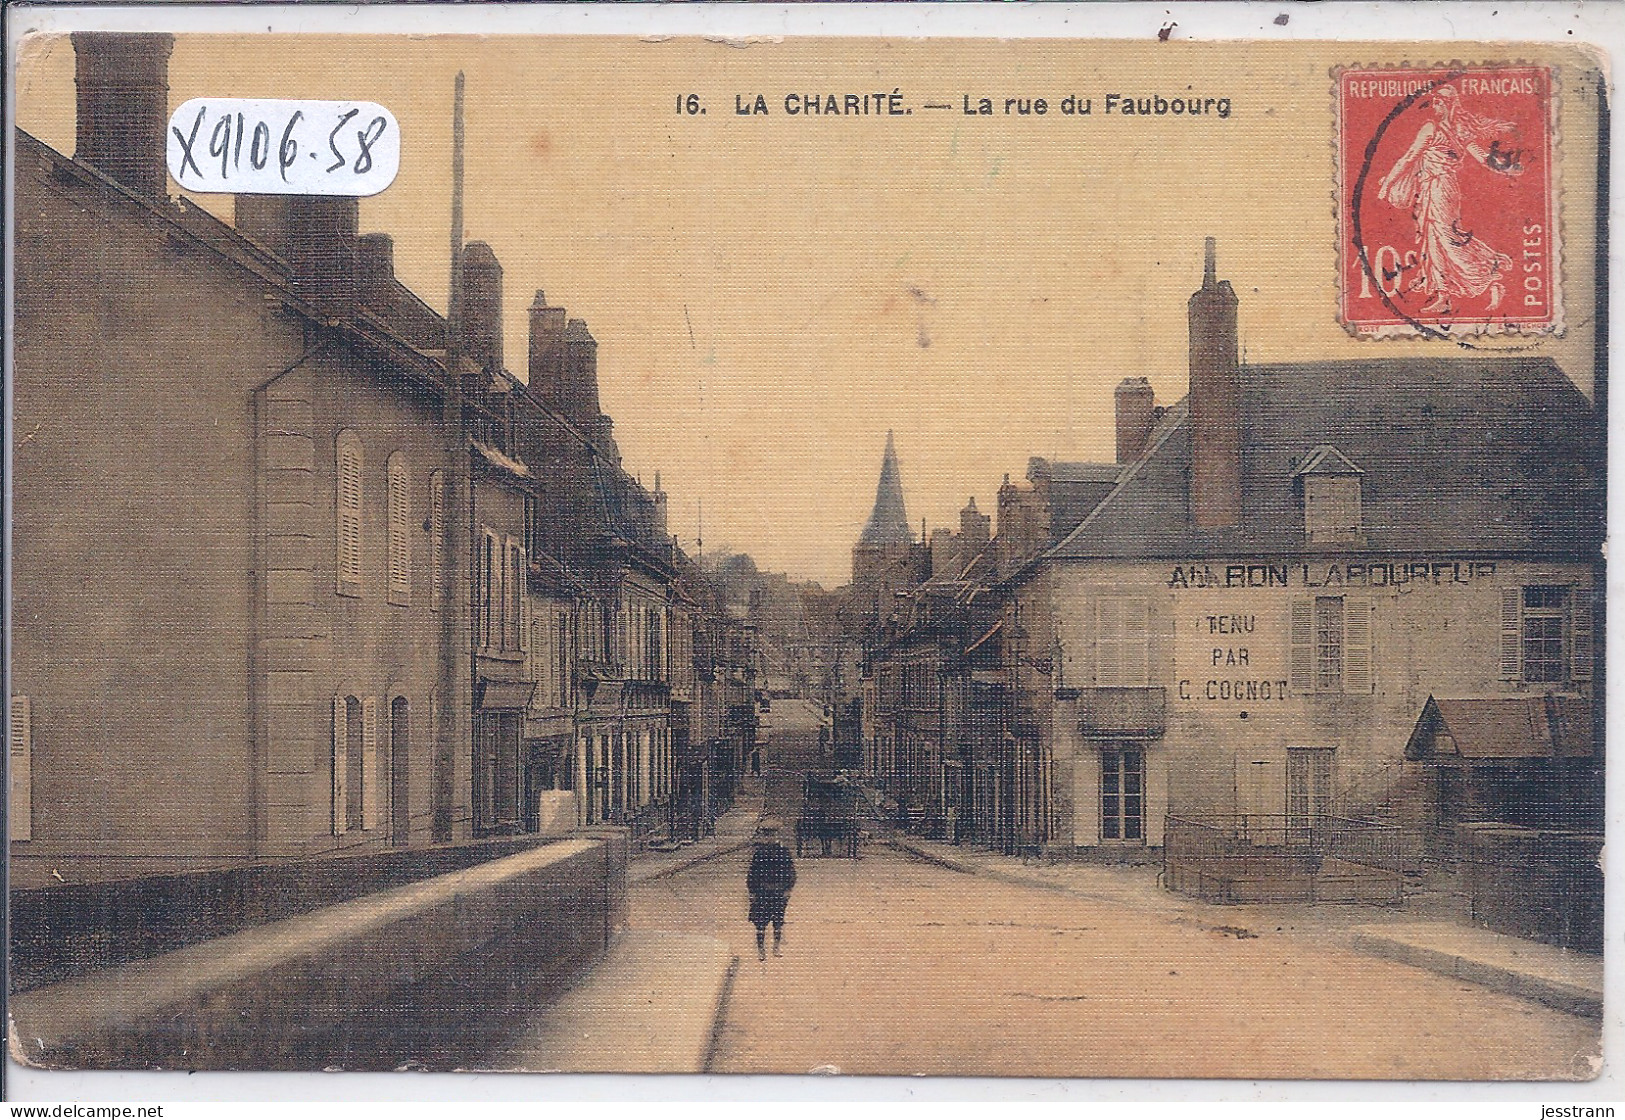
1477	455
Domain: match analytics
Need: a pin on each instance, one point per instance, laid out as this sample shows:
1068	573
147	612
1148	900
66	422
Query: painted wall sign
1231	653
1328	573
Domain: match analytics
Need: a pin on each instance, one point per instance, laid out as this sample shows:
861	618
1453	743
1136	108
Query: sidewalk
652	1005
1568	981
734	830
656	1000
1419	933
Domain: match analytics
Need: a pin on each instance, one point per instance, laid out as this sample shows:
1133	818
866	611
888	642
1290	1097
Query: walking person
772	874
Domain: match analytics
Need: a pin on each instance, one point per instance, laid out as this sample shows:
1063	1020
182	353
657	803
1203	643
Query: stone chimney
374	264
578	387
975	527
944	553
546	351
321	245
1215	402
480	326
123	107
662	526
1136	414
263	219
317	236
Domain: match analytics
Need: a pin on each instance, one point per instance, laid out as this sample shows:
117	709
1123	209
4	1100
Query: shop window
1308	787
400	756
348	764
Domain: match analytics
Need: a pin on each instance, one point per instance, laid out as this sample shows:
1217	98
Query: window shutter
499	593
20	805
1357	656
1136	643
510	640
341	764
1511	633
516	595
562	684
437	537
349	511
1581	653
1301	651
1108	627
482	593
482	589
400	537
524	599
369	762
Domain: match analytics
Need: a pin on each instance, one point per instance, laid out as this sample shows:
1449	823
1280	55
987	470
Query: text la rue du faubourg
895	103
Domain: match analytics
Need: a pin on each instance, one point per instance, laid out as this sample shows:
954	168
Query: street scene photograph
950	557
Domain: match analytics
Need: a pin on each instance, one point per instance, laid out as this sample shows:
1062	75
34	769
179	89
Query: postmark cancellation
1447	205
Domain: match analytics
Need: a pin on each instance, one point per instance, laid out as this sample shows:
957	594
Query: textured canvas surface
1084	504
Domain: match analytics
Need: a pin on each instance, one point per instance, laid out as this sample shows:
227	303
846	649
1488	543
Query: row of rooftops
1469	456
311	259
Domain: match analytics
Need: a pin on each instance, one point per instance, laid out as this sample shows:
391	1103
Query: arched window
347	505
349	736
354	763
400	536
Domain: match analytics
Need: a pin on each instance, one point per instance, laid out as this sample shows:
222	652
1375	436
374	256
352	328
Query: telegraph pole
453	737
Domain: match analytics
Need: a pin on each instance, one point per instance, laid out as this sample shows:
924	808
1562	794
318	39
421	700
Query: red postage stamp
1447	208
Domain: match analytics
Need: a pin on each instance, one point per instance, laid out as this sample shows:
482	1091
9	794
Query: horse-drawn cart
829	815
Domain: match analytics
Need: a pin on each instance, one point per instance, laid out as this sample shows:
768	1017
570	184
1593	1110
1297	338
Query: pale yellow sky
772	294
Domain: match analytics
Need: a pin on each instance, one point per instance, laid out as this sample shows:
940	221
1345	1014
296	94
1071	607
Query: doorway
1308	788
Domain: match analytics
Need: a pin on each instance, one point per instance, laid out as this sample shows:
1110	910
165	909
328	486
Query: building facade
1252	623
277	536
299	567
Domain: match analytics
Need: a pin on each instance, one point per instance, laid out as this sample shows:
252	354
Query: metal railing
1275	858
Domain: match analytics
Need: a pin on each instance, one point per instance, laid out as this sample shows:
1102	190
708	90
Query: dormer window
1331	488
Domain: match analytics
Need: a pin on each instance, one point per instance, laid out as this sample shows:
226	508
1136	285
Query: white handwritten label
242	146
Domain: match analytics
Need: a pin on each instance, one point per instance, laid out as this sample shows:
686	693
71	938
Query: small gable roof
1502	730
1326	459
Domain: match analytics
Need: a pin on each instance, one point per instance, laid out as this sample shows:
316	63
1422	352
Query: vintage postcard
1027	557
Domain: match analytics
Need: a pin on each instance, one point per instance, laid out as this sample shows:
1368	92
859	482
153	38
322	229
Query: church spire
888	524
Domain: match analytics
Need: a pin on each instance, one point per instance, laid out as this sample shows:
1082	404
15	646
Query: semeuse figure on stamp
771	876
1427	178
